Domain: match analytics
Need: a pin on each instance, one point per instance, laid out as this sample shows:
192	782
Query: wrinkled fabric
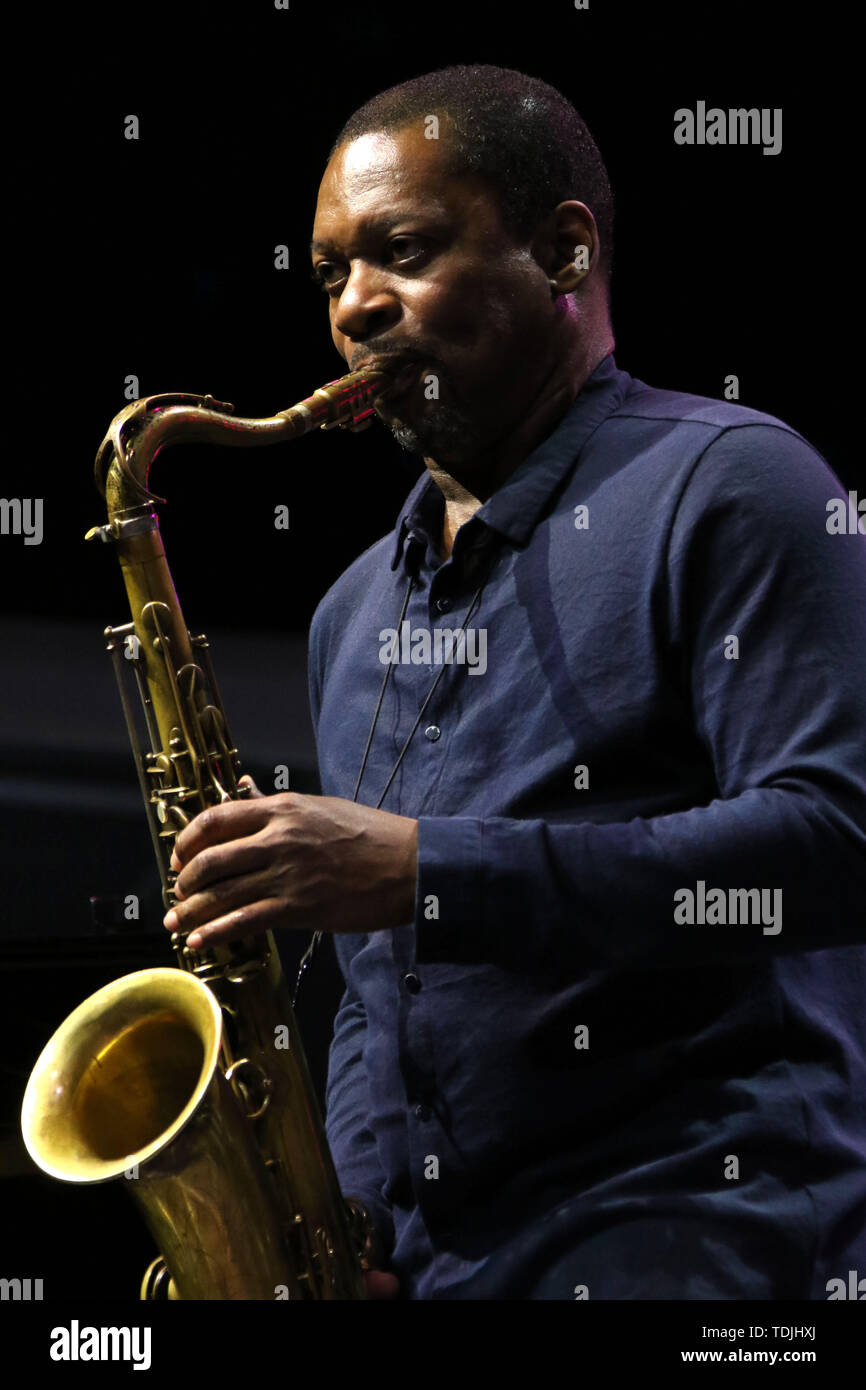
548	1085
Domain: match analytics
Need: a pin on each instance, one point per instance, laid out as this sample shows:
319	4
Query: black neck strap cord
317	936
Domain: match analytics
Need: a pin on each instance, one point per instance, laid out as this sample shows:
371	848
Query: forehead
388	174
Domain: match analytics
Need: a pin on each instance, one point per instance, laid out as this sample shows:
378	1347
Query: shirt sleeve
766	619
346	1114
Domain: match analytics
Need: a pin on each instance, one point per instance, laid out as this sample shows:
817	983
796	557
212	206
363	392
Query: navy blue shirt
621	1050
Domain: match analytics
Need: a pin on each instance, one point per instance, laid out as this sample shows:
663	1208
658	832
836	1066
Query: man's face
418	266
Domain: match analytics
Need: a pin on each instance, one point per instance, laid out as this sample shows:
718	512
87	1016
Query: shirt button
423	1112
412	983
443	604
432	732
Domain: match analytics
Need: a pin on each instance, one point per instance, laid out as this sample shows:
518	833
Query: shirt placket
439	599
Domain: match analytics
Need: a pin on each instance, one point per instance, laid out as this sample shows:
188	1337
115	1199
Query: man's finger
219	899
247	921
231	860
233	820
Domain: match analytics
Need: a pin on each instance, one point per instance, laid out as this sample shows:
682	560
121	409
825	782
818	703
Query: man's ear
573	245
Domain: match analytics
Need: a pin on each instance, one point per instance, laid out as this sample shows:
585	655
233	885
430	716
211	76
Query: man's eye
323	276
403	249
407	248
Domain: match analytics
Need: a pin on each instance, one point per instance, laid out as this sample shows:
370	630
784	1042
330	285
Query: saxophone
192	1082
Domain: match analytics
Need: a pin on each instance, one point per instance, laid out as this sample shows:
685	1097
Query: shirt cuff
449	894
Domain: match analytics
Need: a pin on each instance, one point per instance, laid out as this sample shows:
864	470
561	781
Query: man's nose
367	304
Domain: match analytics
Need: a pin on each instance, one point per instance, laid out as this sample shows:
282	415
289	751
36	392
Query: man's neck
460	505
461	501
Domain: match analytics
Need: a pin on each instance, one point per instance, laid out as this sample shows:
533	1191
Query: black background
155	258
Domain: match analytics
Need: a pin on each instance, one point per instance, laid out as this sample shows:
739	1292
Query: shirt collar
515	508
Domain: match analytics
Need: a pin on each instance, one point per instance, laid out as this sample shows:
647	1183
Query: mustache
389	358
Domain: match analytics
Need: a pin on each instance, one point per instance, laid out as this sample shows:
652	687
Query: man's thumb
247	781
380	1284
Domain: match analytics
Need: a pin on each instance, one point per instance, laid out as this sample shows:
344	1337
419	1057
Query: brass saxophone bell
130	1086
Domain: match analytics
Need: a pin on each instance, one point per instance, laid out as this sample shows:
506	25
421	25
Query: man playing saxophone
589	718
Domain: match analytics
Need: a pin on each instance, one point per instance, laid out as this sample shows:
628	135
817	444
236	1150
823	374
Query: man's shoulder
719	461
674	453
645	402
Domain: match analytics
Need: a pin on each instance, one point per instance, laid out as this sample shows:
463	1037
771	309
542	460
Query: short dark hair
515	132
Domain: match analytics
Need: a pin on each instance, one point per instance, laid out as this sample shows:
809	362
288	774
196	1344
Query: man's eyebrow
374	226
366	228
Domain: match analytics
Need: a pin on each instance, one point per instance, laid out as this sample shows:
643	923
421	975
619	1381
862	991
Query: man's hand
314	862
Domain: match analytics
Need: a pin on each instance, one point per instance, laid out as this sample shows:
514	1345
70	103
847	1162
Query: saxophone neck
138	432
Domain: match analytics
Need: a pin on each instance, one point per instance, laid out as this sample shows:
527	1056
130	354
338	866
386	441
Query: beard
446	435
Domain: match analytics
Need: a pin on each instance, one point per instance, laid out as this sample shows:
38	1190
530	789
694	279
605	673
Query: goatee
446	435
